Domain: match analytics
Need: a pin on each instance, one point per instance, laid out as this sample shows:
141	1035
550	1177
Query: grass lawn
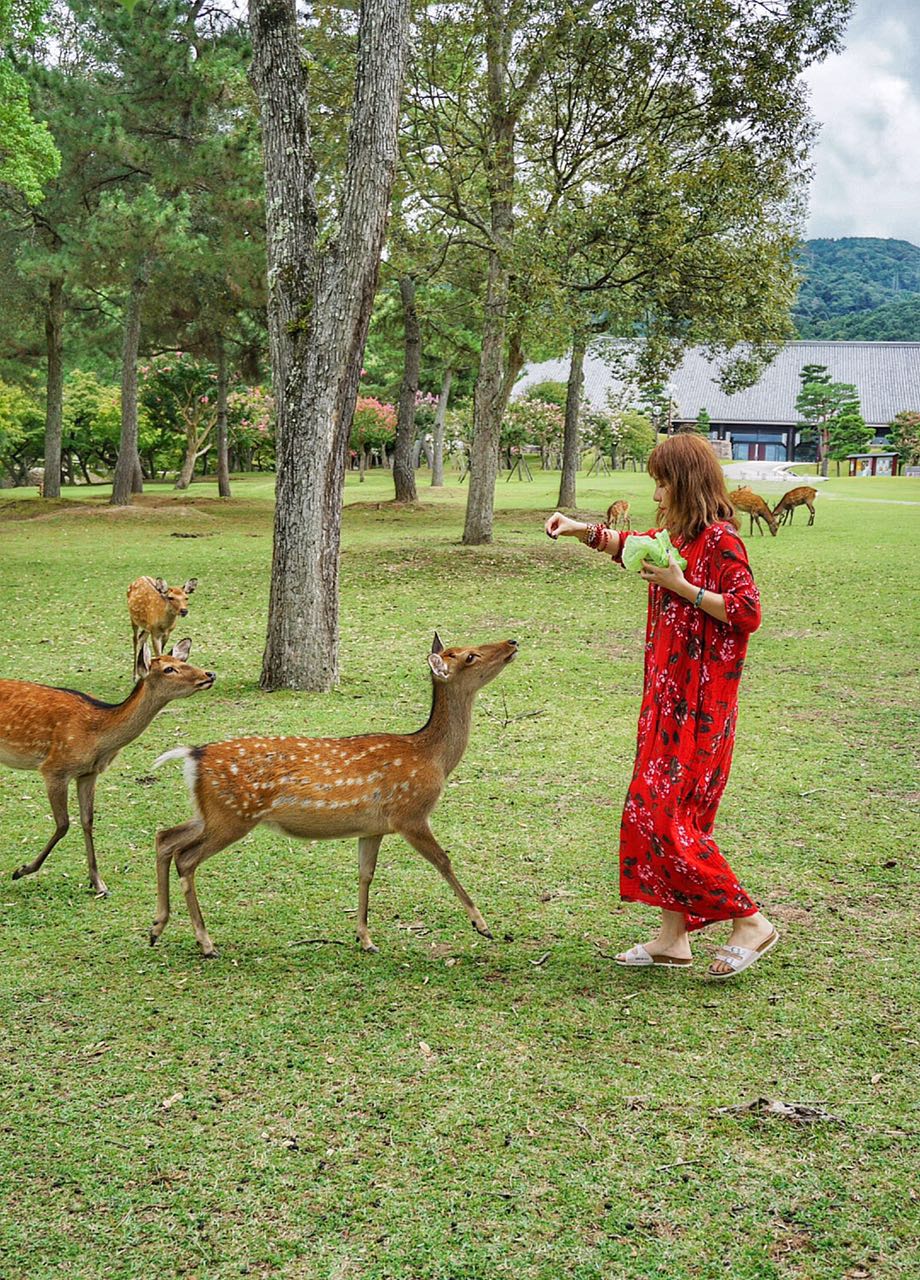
453	1108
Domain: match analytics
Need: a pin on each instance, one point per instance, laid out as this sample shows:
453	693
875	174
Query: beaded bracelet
598	537
699	597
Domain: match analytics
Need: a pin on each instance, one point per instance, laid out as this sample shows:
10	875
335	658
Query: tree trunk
223	460
437	465
488	401
572	409
403	470
318	342
187	470
54	405
128	475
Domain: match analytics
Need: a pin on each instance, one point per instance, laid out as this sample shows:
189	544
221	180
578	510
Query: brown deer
154	608
618	515
744	499
803	496
65	734
367	786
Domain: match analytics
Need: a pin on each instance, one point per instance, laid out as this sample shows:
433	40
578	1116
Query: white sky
867	99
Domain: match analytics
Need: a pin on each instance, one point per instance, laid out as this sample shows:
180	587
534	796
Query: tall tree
321	291
526	115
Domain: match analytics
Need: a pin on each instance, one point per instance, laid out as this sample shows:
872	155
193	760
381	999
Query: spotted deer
155	608
744	499
367	786
618	515
803	496
65	734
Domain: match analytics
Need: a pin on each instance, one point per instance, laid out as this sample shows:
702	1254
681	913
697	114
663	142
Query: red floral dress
693	665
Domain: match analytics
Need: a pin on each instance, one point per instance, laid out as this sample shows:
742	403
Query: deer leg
368	847
167	841
135	632
811	518
422	839
57	797
86	792
187	858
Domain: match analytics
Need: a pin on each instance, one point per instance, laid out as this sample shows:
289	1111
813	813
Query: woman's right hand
560	526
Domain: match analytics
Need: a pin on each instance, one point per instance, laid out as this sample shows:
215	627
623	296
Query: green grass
455	1109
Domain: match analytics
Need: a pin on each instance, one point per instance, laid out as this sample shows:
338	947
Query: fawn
154	608
618	515
744	499
366	786
65	734
804	495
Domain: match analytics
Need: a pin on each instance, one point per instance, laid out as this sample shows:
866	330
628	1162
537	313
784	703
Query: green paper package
656	549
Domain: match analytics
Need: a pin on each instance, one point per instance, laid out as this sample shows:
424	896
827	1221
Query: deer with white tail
367	786
65	734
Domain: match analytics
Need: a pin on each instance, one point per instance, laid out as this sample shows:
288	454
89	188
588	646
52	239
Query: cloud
867	99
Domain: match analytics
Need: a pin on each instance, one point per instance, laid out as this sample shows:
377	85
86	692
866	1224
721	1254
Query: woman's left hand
672	578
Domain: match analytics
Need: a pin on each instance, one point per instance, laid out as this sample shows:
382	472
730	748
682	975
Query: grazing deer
65	734
367	786
744	499
618	515
154	608
803	496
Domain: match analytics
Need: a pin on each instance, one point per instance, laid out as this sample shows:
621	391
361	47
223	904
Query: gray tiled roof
886	375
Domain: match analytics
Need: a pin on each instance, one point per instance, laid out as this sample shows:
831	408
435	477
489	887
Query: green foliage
556	393
859	288
847	433
703	422
904	435
28	156
637	436
20	415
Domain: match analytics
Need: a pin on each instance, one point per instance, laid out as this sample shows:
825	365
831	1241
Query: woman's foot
751	933
661	950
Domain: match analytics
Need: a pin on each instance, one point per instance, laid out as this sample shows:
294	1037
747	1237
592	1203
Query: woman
698	625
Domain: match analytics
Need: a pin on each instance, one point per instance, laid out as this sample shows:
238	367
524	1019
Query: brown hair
687	466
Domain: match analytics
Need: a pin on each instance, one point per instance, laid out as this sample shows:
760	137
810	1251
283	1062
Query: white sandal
639	958
741	958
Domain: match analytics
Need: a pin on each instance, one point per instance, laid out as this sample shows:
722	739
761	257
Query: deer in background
618	515
744	499
65	734
367	786
154	608
803	496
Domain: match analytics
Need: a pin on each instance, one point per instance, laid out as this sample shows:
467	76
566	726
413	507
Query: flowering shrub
251	426
373	426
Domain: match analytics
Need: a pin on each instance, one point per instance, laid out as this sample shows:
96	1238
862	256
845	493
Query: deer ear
436	646
143	662
181	650
161	586
439	668
190	586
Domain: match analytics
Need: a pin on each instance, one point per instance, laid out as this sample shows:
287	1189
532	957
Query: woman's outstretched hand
560	526
672	578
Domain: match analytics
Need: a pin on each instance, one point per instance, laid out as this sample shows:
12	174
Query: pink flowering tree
373	427
251	427
179	394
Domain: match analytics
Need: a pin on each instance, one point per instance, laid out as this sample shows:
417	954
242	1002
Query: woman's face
661	494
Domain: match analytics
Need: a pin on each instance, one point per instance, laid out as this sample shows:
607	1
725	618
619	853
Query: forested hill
860	289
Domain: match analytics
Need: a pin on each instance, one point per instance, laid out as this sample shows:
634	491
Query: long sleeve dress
693	665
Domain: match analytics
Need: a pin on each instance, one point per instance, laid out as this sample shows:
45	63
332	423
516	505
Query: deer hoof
20	872
369	949
101	890
213	954
483	929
